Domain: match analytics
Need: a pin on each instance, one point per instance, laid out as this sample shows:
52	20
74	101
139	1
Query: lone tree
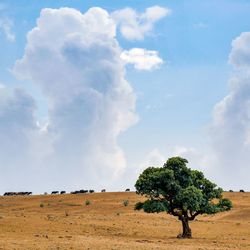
179	191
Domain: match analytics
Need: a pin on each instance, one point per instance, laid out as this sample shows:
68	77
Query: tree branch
192	217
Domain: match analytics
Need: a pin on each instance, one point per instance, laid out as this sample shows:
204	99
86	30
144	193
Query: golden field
66	222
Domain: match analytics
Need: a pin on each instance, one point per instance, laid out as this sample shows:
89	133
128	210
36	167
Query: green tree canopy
179	191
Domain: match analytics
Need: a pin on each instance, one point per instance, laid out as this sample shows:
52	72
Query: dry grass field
66	222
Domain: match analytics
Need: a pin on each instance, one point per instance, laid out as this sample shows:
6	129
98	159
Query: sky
93	92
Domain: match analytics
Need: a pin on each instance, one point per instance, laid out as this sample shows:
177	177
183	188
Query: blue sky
187	100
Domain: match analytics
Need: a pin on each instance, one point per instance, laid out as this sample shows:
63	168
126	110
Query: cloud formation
134	25
6	26
17	132
142	59
158	158
74	59
230	130
16	121
240	53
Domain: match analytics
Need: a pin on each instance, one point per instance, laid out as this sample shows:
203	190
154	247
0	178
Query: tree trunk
186	230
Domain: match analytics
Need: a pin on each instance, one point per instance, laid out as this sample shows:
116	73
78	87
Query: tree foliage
179	191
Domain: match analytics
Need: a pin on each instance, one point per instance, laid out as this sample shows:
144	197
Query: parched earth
66	222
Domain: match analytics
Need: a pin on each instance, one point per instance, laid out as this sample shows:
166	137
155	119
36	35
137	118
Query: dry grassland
65	222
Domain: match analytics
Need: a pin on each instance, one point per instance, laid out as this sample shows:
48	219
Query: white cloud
154	159
240	53
157	158
142	59
74	59
134	25
16	132
24	164
6	26
230	130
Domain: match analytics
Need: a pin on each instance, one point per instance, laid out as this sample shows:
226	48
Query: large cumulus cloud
16	122
74	59
230	131
17	132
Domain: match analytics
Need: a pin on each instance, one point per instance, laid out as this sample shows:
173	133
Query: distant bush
125	203
41	205
231	191
139	205
87	202
242	191
225	204
66	213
